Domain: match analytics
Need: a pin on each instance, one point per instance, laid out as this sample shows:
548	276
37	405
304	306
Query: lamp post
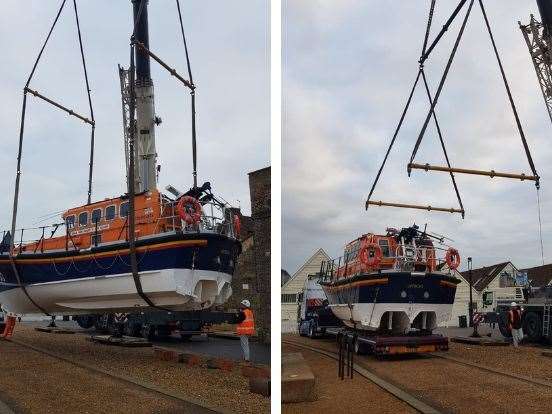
470	306
474	334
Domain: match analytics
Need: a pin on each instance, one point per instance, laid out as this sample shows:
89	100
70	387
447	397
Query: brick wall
252	277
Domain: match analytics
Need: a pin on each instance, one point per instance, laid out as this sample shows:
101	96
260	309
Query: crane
538	36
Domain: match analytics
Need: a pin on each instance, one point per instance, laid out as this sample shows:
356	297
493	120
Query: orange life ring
372	259
453	258
189	209
237	225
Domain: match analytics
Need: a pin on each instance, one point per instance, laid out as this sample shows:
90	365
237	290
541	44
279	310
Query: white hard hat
245	303
513	304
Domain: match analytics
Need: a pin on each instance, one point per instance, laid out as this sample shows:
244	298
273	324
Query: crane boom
538	36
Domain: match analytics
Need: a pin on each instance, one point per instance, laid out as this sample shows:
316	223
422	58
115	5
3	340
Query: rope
394	137
512	104
192	95
442	82
93	128
443	144
442	32
540	226
428	28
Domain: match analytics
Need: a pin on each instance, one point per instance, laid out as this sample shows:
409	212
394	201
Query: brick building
252	277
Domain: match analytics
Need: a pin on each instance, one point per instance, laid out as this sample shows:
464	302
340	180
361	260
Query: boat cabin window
124	209
70	220
384	244
96	215
110	212
83	218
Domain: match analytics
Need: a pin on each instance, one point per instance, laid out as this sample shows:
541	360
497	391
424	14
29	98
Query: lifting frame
431	114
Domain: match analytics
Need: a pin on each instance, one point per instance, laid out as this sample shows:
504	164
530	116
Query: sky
229	50
348	67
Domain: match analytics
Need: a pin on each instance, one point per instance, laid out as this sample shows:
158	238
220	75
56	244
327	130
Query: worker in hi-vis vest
514	323
246	327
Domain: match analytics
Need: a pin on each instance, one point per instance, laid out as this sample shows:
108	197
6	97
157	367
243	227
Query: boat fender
371	254
189	210
453	258
237	226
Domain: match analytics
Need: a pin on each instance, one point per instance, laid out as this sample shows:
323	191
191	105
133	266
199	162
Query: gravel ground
215	387
33	383
525	360
358	395
455	388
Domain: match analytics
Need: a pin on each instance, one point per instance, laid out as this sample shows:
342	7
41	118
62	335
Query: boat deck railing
36	239
406	257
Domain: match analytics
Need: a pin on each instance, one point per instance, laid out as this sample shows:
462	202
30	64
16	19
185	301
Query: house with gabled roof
294	286
539	276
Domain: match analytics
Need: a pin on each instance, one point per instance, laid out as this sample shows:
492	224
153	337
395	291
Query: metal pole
470	308
491	173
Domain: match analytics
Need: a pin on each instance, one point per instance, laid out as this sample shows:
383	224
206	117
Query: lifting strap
421	73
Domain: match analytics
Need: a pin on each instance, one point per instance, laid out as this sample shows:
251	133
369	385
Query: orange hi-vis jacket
247	326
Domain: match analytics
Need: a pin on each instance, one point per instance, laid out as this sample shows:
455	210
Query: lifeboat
393	283
144	250
87	270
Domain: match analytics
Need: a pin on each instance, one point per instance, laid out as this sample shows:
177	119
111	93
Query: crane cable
424	56
192	94
540	225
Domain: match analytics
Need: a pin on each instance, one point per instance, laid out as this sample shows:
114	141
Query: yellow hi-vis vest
247	326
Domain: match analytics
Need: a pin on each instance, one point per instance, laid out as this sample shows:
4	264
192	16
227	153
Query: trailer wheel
312	331
133	329
148	332
503	325
532	327
359	348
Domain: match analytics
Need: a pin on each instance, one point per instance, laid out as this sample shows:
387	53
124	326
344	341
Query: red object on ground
8	328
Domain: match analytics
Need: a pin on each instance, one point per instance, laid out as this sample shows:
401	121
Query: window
96	239
124	209
384	244
70	220
289	298
96	215
488	298
83	218
110	212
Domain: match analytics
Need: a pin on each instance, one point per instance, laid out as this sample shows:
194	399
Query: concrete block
297	379
260	386
252	371
191	360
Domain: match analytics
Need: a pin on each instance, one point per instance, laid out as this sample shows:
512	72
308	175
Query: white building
293	286
485	279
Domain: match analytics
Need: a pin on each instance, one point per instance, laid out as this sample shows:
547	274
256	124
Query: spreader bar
172	71
492	173
57	105
415	206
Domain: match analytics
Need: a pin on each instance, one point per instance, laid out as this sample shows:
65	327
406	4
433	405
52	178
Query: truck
156	324
314	316
535	317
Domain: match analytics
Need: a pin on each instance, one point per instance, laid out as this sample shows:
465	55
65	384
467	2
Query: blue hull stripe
219	254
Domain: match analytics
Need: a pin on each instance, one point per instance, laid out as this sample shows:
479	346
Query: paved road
220	347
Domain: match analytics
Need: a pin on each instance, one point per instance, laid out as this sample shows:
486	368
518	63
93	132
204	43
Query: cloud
347	74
